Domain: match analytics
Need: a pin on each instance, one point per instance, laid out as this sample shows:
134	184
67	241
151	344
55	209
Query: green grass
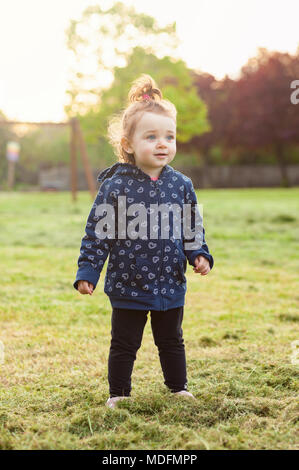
239	325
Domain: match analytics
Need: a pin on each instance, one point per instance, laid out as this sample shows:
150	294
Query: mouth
161	155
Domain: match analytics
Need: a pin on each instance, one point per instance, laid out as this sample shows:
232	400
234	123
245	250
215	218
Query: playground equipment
76	143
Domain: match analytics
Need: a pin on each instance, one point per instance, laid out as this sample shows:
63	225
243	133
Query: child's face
154	134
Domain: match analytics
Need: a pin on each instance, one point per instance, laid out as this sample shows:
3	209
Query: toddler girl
148	254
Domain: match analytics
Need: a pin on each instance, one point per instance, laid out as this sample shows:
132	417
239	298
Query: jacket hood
129	169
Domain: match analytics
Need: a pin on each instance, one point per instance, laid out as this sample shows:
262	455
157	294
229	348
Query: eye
152	135
171	136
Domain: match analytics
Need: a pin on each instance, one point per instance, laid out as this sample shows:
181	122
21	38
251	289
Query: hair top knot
144	88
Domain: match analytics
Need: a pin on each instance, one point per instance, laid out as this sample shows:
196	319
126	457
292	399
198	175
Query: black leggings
126	336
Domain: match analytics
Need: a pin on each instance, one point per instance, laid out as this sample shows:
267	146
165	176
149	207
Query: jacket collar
131	170
164	173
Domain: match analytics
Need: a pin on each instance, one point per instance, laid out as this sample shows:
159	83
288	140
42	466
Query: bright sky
217	36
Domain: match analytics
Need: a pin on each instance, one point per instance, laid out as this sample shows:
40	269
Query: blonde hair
124	123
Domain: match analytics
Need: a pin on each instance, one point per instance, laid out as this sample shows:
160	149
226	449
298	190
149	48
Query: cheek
148	147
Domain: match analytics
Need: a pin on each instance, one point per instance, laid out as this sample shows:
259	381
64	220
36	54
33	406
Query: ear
126	145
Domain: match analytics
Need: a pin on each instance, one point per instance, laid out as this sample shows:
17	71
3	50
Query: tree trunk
279	149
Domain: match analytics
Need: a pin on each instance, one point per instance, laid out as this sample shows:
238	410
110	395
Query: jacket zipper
162	249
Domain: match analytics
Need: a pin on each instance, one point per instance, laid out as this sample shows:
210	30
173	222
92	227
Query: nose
161	143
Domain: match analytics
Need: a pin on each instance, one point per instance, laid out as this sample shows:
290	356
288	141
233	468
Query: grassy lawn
239	325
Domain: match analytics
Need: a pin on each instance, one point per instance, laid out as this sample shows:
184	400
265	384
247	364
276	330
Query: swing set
76	143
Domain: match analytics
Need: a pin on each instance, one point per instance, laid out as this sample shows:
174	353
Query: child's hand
202	265
85	287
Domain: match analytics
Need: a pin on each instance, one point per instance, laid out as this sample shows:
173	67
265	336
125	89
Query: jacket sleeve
196	226
94	248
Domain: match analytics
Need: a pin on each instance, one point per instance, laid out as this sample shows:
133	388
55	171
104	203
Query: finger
200	266
197	268
197	263
206	271
83	284
207	268
83	291
83	287
203	264
197	271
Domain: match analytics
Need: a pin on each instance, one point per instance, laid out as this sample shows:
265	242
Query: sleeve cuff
87	274
194	254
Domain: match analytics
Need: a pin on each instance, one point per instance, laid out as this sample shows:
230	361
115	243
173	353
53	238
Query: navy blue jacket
142	273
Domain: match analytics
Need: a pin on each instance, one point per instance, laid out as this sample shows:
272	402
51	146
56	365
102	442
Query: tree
103	39
215	94
172	76
263	114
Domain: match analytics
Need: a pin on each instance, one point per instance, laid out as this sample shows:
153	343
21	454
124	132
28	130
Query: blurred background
231	68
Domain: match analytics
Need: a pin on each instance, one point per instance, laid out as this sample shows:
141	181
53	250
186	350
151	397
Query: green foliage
192	112
45	146
173	77
117	29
